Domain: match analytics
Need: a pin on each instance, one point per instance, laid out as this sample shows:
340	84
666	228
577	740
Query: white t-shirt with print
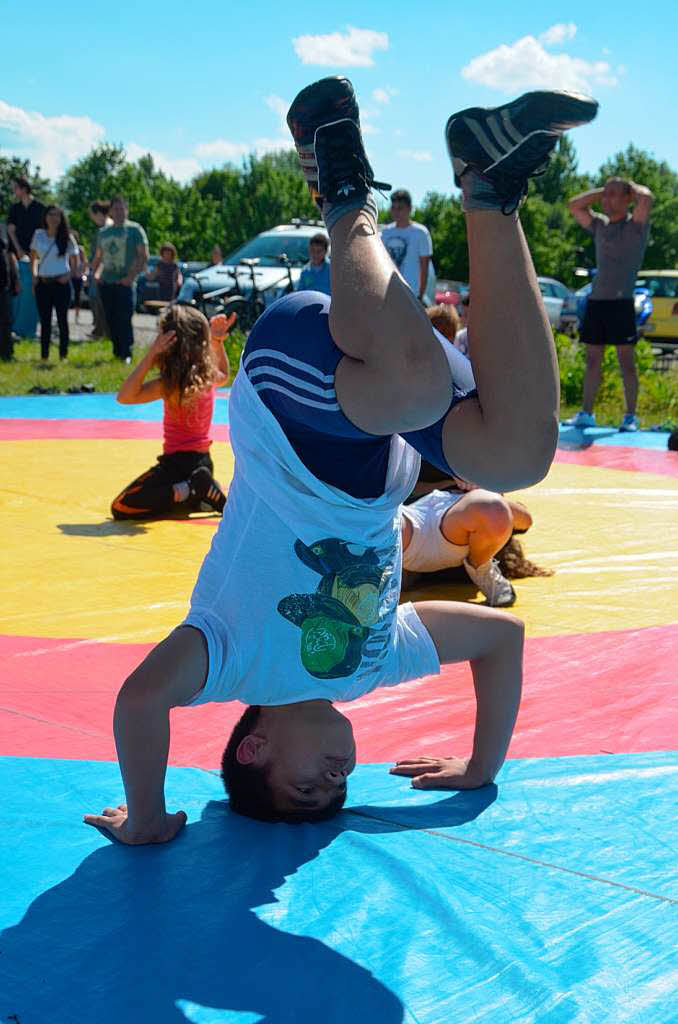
406	246
51	263
298	595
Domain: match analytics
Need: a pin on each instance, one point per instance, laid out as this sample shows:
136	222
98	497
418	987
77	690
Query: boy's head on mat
289	763
187	364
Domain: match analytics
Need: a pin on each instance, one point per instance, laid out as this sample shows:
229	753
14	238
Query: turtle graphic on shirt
335	621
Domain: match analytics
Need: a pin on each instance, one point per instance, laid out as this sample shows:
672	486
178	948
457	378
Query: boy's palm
440	773
113	822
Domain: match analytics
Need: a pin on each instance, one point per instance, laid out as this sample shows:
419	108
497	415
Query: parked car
662	288
554	294
290	240
450	292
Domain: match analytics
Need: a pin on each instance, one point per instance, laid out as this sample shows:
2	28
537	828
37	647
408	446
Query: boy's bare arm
492	641
171	675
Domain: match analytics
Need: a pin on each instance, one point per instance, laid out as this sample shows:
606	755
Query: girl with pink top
189	355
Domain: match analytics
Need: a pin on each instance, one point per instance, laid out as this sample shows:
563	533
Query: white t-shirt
298	595
51	263
406	246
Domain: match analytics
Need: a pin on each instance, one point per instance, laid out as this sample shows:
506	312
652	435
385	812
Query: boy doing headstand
296	605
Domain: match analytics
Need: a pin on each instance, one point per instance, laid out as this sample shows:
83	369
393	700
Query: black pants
152	494
118	303
6	343
51	294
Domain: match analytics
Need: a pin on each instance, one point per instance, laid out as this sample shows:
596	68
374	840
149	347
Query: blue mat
553	899
655	440
91	407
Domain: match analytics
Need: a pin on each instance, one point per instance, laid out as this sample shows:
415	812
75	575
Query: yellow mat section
611	536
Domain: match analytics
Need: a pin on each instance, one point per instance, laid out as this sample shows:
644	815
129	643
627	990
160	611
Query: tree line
229	205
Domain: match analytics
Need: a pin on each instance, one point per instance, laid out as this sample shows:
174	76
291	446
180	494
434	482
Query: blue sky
199	85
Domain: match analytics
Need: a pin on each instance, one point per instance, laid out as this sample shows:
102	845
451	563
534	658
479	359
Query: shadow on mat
109	528
575	439
151	935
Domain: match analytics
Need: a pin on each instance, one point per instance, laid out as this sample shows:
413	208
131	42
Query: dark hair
403	196
616	180
170	248
24	183
119	199
100	206
445	319
63	232
248	788
672	443
320	239
466	299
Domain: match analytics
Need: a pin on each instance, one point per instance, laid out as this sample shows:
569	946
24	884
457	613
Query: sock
332	212
479	193
181	491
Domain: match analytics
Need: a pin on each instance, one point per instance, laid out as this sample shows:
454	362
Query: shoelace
347	163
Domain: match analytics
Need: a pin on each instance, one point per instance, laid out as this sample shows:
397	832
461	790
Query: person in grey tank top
620	239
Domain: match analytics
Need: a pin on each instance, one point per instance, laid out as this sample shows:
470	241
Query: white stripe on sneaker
482	138
509	128
502	140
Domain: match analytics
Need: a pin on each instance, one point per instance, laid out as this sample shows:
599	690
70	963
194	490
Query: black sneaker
507	145
204	488
325	124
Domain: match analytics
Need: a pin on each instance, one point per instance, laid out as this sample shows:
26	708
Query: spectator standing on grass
78	275
620	239
315	275
408	243
167	273
9	286
98	212
122	249
54	259
25	217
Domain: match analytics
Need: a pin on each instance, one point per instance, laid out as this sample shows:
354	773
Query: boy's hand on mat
441	773
114	822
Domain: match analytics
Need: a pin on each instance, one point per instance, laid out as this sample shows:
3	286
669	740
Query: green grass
91	363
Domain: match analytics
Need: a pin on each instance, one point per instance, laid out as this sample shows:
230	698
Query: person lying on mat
296	604
188	353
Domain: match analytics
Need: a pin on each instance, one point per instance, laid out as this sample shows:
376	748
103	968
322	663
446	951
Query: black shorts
609	322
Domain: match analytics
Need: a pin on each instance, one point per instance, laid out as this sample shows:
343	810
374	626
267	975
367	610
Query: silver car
554	294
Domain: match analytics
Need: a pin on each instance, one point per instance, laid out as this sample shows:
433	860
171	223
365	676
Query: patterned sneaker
629	424
490	581
204	488
583	420
325	124
507	145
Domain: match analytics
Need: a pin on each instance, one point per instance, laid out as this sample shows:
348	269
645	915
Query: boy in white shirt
296	605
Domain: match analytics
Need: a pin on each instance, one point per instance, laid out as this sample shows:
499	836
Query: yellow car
663	289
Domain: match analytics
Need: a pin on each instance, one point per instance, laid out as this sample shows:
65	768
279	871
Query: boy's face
309	751
615	200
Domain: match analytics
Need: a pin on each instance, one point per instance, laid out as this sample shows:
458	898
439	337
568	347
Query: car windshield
660	287
269	248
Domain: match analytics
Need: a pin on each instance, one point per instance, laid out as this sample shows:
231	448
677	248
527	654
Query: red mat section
635	460
77	430
586	694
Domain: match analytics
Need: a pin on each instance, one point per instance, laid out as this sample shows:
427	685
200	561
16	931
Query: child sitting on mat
189	354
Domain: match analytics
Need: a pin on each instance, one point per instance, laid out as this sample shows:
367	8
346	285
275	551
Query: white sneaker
490	581
583	420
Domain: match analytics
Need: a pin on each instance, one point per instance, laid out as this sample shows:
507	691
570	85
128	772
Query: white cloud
280	107
52	142
558	33
421	156
220	151
384	95
179	168
352	49
526	65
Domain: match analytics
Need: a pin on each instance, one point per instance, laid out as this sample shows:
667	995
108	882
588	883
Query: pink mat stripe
79	430
587	694
634	460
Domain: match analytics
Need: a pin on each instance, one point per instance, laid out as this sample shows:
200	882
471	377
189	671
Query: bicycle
250	305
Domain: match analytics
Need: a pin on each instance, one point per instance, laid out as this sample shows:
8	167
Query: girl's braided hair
188	367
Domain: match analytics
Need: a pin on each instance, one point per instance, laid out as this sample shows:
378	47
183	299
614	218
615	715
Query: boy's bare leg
395	376
508	437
